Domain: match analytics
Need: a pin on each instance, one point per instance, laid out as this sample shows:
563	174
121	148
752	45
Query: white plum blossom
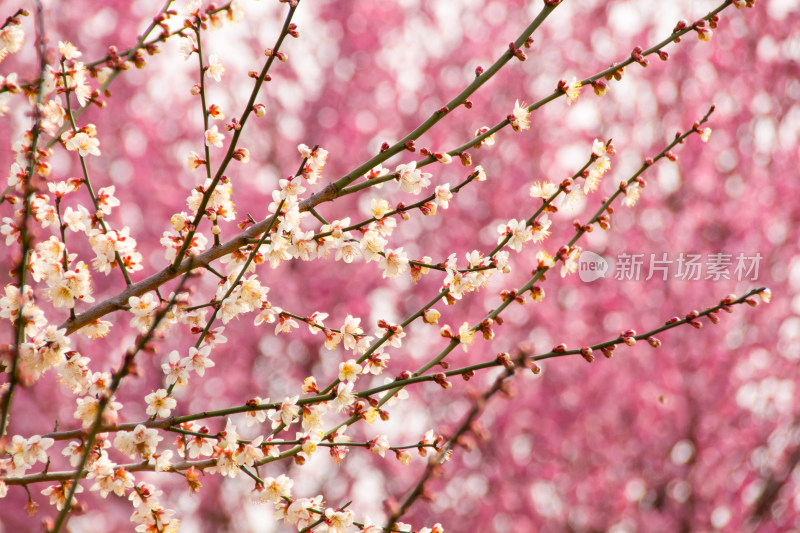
570	265
349	370
214	137
632	192
82	143
344	396
520	117
412	179
518	231
394	262
177	374
350	330
379	445
215	68
159	403
442	195
287	413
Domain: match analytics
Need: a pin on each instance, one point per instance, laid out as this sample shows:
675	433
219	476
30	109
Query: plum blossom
348	251
143	310
393	263
488	140
379	445
68	50
344	396
81	142
159	403
411	179
632	192
518	231
287	413
349	370
520	117
214	137
372	245
77	220
12	36
198	360
379	207
177	374
215	68
106	199
570	265
443	195
315	161
58	494
466	336
573	91
275	489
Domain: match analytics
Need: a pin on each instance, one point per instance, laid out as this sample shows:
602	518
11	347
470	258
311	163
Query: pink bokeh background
688	437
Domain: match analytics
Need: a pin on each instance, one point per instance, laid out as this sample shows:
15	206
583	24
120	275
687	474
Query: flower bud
537	293
629	340
431	316
504	359
428	209
586	353
441	380
704	34
600	87
443	158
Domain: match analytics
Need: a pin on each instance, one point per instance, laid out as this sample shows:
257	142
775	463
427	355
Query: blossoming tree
285	257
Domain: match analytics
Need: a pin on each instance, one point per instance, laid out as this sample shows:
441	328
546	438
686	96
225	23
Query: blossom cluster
65	228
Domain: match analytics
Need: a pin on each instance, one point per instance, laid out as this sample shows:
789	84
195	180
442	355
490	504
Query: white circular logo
592	266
